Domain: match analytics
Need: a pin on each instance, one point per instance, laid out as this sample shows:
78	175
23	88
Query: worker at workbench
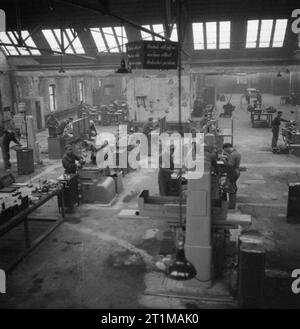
93	130
8	136
275	128
232	160
259	98
52	125
198	107
69	161
165	171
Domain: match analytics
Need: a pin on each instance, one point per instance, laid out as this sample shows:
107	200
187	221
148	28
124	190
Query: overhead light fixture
123	67
278	75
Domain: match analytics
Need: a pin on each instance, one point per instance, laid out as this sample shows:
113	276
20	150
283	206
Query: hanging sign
155	55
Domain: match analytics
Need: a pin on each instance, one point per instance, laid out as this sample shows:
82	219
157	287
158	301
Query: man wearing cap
52	125
275	128
69	161
232	160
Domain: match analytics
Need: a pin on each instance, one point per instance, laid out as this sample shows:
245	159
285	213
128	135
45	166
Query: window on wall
52	97
266	33
81	92
211	35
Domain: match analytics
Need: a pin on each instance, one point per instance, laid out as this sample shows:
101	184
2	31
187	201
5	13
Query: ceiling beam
111	14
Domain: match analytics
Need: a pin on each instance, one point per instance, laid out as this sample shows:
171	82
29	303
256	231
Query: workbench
259	116
24	217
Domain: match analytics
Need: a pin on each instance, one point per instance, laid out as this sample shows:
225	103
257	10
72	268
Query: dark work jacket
276	123
68	162
233	165
7	138
148	127
60	129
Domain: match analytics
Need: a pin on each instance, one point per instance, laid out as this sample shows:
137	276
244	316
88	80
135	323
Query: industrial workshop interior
150	154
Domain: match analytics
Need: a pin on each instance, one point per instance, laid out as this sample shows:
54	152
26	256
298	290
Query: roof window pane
11	49
280	28
174	35
110	39
265	33
76	43
68	50
252	29
122	36
29	42
51	40
211	35
159	29
224	35
198	36
145	35
96	33
22	50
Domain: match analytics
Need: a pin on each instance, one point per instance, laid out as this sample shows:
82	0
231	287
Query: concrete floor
81	264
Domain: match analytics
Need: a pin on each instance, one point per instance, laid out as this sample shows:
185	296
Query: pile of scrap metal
88	110
290	134
114	113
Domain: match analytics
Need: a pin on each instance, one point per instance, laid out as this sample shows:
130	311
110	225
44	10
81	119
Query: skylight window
121	36
13	37
279	34
75	41
224	35
159	29
11	40
97	35
265	33
29	42
252	30
50	37
10	50
206	37
211	35
146	35
198	36
110	39
68	50
174	35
